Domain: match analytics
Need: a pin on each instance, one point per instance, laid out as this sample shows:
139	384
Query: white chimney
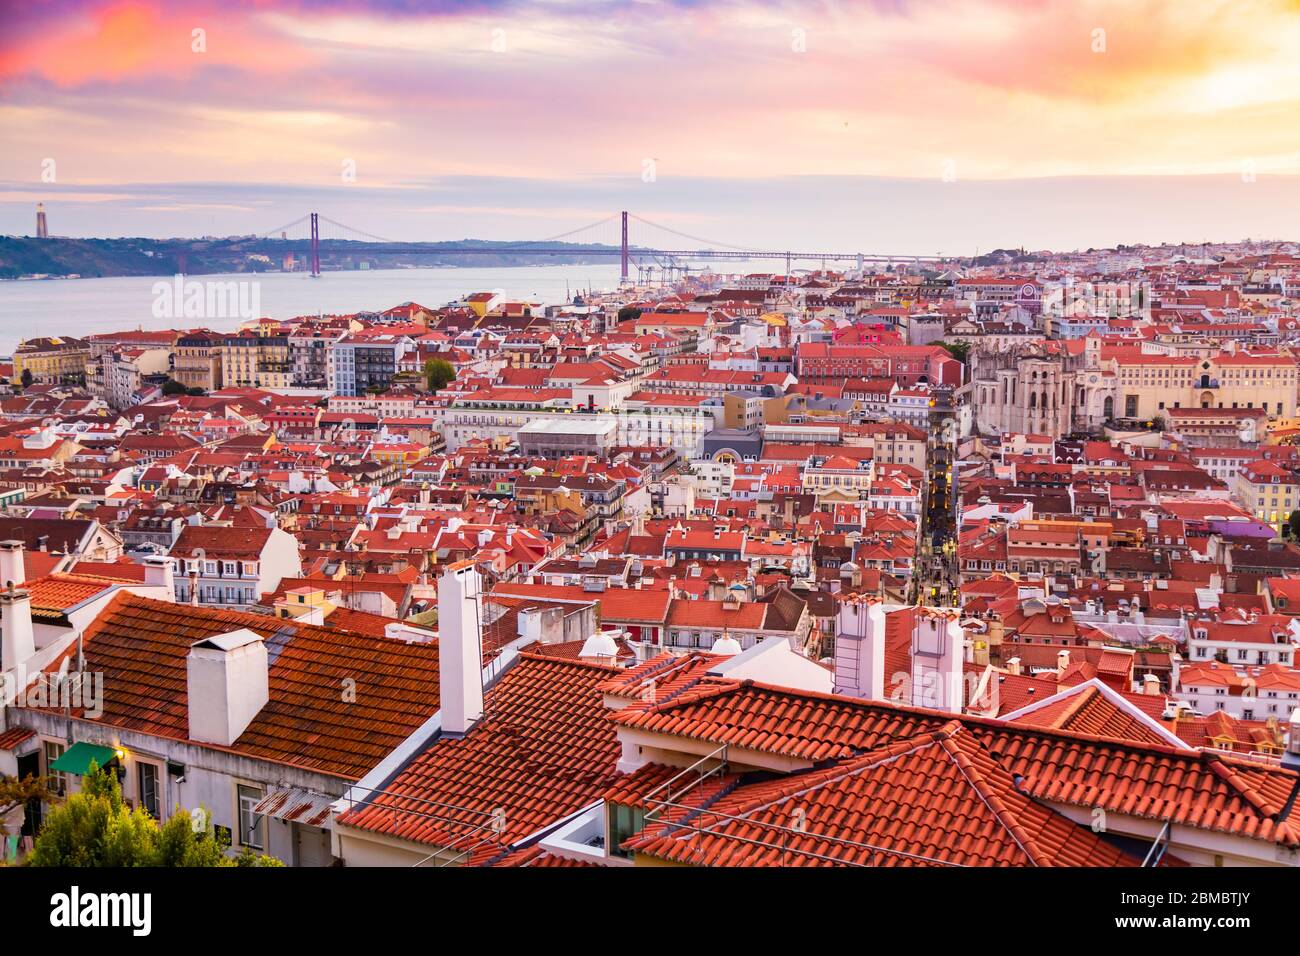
159	572
460	654
12	566
1013	666
1062	661
1291	757
227	683
937	663
860	650
17	640
1151	685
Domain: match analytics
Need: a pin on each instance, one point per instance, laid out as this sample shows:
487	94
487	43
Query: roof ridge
1247	792
1081	698
814	779
951	744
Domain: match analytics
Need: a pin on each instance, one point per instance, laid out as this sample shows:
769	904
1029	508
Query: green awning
77	758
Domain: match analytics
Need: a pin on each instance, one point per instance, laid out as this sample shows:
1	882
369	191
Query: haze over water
81	307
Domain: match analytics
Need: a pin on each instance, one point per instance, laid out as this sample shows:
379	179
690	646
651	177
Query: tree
960	350
173	387
1293	524
629	313
15	792
27	378
438	374
96	828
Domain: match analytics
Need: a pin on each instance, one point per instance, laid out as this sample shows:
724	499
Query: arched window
1033	399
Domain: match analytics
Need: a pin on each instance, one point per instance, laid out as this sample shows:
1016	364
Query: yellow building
1269	491
198	361
256	361
847	478
51	360
1147	385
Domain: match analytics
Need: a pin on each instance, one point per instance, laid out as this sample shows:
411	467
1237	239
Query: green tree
438	374
27	378
96	828
1293	524
960	350
629	313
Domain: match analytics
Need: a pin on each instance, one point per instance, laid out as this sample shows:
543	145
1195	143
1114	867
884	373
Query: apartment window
149	788
252	826
53	751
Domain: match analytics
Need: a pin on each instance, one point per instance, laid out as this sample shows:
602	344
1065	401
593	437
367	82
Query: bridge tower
623	281
315	245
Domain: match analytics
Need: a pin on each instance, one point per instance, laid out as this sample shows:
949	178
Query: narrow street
935	580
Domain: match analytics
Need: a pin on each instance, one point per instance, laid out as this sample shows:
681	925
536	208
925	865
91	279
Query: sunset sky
889	125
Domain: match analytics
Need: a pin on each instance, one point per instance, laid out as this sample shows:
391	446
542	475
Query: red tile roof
141	646
11	738
932	799
1194	788
542	751
1087	710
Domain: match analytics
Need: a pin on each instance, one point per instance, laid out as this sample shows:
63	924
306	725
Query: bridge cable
707	242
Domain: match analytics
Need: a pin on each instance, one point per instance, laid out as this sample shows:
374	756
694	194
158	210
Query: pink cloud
132	40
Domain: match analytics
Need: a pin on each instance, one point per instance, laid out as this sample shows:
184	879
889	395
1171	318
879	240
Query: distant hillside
95	258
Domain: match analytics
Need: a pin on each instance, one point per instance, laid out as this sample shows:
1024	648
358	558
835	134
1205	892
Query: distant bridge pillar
315	244
624	248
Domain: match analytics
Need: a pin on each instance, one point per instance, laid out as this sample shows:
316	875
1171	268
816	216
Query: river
81	307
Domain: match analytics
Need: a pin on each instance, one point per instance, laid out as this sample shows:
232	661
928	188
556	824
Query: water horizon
76	308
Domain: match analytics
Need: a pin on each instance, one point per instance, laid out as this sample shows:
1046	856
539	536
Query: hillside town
994	562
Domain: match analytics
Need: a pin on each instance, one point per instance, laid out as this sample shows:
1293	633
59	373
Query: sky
919	126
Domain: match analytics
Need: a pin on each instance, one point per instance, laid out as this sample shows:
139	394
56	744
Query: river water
81	307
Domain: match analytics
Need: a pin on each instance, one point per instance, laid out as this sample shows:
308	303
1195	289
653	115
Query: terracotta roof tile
1146	780
937	798
141	646
542	751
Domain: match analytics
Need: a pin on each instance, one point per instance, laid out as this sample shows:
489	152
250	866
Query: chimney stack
227	683
860	650
1013	666
159	572
12	566
194	589
460	654
1291	758
937	657
17	640
1151	685
1062	661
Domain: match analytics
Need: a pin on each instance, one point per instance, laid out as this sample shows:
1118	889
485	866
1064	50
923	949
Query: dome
726	645
600	644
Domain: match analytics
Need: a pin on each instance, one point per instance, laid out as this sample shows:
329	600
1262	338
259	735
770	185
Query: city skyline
1044	125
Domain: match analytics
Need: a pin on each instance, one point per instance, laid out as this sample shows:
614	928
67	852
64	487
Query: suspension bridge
656	247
